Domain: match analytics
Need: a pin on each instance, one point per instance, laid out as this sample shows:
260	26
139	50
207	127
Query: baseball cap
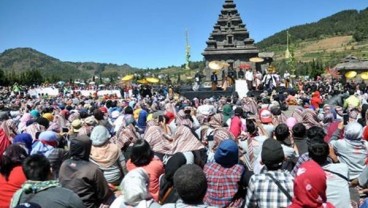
265	116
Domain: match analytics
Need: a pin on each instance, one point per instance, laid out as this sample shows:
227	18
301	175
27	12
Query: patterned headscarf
310	119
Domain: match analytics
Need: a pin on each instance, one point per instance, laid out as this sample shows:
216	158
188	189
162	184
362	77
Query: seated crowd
159	152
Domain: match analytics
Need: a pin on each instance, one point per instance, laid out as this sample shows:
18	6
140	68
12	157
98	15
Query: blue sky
144	33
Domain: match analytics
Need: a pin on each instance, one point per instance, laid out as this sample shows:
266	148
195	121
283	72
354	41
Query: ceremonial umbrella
152	80
350	74
215	65
127	77
364	75
256	59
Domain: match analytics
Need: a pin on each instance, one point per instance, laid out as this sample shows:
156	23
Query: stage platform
204	93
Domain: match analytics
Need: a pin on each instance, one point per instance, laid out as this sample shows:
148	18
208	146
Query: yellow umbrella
127	77
256	59
215	65
142	81
152	80
364	75
350	74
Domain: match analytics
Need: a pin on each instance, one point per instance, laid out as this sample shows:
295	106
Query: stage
205	92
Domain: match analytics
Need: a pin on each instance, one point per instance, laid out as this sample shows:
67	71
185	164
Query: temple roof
352	63
229	34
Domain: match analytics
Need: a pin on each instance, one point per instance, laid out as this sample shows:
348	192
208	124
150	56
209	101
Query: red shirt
235	126
8	188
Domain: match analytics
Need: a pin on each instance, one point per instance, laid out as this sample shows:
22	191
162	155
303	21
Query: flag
287	52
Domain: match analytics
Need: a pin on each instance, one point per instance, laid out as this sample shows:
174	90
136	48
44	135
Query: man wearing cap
273	187
266	119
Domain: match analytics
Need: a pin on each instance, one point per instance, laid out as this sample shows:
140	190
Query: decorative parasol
364	75
92	83
216	65
152	80
256	60
142	81
350	74
127	77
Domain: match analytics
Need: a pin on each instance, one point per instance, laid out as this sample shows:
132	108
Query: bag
287	194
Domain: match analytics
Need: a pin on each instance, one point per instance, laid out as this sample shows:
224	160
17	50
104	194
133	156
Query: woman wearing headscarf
10	128
33	129
135	189
23	122
350	150
47	145
227	112
310	187
11	173
159	136
107	155
213	134
298	114
84	177
310	119
168	192
142	156
24	140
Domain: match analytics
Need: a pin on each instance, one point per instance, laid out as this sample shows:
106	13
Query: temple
229	40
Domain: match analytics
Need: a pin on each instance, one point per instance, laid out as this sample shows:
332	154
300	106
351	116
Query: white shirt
249	75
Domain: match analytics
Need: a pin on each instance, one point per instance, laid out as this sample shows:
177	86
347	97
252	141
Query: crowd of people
300	147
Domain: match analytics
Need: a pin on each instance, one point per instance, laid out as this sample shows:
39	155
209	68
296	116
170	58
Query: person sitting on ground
282	135
168	193
40	189
47	145
84	177
135	191
313	135
350	150
107	156
229	191
337	175
142	156
11	173
191	185
310	187
273	187
299	134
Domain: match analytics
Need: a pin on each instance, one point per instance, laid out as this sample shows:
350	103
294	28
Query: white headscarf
135	188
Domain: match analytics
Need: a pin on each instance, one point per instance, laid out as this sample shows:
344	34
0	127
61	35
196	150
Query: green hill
346	23
21	60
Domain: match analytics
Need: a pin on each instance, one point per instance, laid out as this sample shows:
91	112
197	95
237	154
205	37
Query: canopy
127	77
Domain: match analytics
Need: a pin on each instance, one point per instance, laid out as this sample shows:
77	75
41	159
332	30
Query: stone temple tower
229	40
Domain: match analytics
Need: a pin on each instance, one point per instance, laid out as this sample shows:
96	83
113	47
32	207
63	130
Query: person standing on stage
241	74
249	77
214	80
